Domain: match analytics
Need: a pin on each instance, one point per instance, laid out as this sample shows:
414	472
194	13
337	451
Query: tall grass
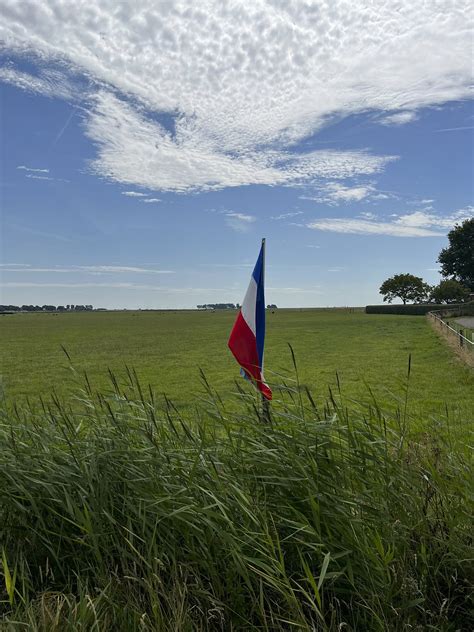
120	514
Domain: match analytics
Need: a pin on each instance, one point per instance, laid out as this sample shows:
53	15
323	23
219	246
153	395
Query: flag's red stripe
243	344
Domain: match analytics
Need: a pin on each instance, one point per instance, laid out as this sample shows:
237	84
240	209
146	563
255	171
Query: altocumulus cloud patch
243	82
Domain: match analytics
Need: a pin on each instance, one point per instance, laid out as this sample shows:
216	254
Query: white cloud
101	269
35	177
38	174
32	269
417	224
190	161
49	83
243	81
241	217
134	194
455	129
32	169
287	215
367	227
423	218
71	285
120	286
460	216
399	118
151	200
120	269
334	193
239	221
348	194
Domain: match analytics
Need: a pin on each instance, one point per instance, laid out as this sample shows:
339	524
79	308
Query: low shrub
411	309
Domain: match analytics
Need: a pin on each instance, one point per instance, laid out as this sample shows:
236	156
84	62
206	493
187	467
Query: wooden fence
461	337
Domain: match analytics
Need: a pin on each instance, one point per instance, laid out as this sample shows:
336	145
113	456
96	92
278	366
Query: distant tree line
218	306
46	308
410	288
227	306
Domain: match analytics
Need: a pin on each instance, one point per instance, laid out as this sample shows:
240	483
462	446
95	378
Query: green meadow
167	350
137	495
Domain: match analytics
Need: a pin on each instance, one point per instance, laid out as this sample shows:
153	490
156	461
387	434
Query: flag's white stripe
248	306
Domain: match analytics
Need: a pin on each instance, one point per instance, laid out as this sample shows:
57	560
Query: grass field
168	348
122	512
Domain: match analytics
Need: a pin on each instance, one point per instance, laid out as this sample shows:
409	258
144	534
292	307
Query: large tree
449	291
407	287
457	260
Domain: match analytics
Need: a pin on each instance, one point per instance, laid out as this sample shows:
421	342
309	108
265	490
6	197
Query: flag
247	337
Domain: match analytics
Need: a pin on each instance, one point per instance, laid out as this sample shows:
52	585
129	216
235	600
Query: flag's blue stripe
260	307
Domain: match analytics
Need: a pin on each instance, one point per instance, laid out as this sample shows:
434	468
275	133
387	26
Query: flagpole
266	417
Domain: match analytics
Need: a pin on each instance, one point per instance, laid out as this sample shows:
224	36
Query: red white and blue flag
247	337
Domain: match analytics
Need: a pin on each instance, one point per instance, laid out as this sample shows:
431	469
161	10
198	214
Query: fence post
461	339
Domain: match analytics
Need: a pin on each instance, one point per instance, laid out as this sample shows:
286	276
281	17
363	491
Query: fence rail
462	336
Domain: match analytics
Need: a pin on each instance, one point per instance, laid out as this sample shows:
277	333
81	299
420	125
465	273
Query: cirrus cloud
86	269
32	169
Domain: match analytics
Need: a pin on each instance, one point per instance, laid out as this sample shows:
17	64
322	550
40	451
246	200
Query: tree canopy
449	291
407	287
457	260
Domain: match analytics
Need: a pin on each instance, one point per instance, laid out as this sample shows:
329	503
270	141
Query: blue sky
147	147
